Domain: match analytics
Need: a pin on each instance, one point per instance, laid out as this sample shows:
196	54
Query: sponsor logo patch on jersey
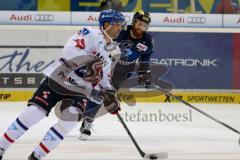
80	43
141	47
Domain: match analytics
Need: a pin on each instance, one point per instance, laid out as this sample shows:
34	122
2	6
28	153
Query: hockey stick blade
163	155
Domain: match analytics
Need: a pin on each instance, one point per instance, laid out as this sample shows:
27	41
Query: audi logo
196	20
43	17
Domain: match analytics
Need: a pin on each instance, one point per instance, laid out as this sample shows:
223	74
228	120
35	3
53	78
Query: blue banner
19	5
195	60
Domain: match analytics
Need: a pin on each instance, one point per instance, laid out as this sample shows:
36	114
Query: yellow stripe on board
15	95
191	97
54	5
207	5
160	5
90	4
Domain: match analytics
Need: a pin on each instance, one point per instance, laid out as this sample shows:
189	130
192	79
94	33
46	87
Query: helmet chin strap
105	32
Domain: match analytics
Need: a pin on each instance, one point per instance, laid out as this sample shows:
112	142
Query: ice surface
194	137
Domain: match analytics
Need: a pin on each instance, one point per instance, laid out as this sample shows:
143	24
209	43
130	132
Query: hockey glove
111	101
144	77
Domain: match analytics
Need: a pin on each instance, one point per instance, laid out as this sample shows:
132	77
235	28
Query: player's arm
144	66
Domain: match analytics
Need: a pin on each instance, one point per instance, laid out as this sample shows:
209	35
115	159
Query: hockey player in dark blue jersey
136	45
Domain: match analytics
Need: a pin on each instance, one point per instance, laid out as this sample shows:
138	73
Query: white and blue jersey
140	49
86	42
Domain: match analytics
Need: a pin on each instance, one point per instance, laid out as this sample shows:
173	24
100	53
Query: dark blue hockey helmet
111	16
142	16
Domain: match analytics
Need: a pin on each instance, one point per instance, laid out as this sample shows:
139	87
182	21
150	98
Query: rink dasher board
91	19
192	96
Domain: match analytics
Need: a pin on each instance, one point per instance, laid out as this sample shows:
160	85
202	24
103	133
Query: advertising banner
160	6
195	60
91	19
191	97
15	95
153	6
231	21
21	68
186	20
158	20
34	18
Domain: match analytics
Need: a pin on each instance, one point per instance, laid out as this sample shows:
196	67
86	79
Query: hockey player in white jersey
140	48
83	72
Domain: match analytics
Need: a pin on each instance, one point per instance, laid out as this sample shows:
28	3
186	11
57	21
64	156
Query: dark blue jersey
140	48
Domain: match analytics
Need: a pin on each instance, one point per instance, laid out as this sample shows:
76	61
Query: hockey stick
195	108
143	154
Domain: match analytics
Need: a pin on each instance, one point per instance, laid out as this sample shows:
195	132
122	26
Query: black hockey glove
144	78
91	72
111	101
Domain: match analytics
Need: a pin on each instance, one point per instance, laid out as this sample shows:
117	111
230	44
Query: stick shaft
197	109
130	135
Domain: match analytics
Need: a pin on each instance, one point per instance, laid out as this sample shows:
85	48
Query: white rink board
91	18
199	139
